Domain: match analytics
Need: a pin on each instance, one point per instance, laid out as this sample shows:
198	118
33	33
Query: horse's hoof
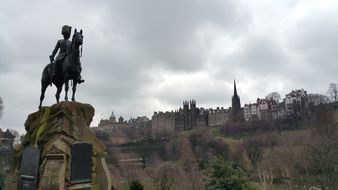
73	99
80	81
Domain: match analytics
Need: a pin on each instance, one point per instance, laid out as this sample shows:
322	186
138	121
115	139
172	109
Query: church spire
235	89
236	105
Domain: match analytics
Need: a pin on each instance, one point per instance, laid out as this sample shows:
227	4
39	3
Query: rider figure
64	46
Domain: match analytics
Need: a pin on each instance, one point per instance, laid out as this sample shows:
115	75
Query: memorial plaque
81	163
29	168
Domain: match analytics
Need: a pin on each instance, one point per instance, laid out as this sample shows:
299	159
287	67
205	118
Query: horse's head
77	38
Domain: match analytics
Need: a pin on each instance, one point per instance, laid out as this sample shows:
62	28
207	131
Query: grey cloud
314	38
165	30
128	44
258	57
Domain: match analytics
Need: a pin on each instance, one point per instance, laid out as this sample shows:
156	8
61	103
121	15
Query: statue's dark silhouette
67	65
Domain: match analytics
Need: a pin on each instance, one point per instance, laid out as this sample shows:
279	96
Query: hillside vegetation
263	155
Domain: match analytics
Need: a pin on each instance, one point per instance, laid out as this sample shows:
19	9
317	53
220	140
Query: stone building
236	110
264	109
281	112
6	141
296	103
187	118
218	117
251	112
165	120
190	117
111	122
138	122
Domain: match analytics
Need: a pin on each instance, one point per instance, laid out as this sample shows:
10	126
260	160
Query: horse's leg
44	86
66	89
74	90
58	92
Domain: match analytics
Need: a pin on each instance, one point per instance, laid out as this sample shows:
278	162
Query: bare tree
165	176
2	107
313	160
333	91
265	177
273	95
254	149
14	133
316	99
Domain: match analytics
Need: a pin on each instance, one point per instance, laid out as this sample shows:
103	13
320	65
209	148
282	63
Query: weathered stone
54	130
103	180
87	186
54	172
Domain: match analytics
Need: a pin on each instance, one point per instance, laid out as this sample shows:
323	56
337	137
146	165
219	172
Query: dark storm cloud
145	56
165	31
257	56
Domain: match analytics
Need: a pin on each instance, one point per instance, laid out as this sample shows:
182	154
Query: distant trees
309	161
317	166
333	91
121	119
136	185
273	95
205	145
2	107
316	99
165	176
14	133
102	135
2	180
254	150
2	175
225	175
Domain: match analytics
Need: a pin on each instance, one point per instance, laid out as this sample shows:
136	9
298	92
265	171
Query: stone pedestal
55	130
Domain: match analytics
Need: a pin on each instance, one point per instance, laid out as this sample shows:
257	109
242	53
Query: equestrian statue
65	67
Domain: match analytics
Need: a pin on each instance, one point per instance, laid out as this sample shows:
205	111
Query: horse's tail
46	74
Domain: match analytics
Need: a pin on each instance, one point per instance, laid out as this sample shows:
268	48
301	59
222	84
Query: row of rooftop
266	108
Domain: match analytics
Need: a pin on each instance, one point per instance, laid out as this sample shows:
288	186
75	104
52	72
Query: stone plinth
54	130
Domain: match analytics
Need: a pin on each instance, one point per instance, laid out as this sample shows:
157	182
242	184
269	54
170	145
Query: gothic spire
235	89
236	105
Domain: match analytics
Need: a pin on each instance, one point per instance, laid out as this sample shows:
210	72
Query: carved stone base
54	130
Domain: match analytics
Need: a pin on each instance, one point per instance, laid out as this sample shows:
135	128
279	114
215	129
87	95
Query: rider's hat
66	30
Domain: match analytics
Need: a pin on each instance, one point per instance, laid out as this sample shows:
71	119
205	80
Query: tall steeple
235	89
236	102
236	105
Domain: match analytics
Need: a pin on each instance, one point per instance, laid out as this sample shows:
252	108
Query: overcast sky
150	55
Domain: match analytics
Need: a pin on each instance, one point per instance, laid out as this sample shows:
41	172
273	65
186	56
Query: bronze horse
70	70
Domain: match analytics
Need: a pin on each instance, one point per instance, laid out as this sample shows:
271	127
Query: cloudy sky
150	55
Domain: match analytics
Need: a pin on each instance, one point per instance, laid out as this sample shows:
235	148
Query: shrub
225	175
136	185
